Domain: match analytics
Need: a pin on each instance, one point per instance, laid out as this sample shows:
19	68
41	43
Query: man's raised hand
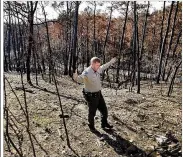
113	60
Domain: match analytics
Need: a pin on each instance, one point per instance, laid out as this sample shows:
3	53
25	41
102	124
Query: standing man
92	91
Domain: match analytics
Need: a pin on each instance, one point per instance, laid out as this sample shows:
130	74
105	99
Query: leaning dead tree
162	51
170	42
173	78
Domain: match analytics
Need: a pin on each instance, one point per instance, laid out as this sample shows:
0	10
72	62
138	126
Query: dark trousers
96	102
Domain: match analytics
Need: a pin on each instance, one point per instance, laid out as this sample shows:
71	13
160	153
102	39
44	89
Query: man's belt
91	93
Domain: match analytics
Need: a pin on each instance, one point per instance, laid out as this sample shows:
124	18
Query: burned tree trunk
177	42
66	58
74	57
140	53
170	43
94	29
163	44
162	24
87	45
107	34
5	55
32	8
173	79
173	56
51	67
106	38
121	44
9	39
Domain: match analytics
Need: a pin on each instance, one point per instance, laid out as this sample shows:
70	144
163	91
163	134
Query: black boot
106	125
92	128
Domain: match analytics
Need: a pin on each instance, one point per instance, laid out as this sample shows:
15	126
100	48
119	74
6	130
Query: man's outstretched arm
108	64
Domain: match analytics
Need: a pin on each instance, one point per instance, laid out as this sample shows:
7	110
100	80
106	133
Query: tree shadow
55	93
120	145
39	144
75	153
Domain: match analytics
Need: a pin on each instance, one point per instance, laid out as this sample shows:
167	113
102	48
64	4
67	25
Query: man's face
95	66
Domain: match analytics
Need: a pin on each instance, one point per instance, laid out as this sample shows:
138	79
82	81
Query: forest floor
137	119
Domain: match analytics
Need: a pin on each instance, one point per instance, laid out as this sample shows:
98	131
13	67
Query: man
92	91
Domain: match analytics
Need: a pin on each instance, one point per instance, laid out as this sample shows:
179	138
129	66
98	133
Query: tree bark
94	29
32	9
106	38
67	39
170	43
107	34
9	39
51	66
75	36
121	43
173	79
163	44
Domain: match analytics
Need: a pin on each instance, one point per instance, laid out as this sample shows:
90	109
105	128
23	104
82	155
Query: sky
53	14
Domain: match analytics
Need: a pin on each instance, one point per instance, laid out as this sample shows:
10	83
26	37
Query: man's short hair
95	60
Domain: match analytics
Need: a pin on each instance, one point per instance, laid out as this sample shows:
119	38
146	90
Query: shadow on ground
65	96
120	145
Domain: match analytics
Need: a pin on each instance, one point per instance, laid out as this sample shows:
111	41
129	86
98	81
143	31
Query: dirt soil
137	119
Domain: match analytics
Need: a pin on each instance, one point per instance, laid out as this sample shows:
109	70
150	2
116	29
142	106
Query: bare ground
137	119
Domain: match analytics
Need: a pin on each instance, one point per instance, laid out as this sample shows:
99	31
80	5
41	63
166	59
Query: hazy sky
52	14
